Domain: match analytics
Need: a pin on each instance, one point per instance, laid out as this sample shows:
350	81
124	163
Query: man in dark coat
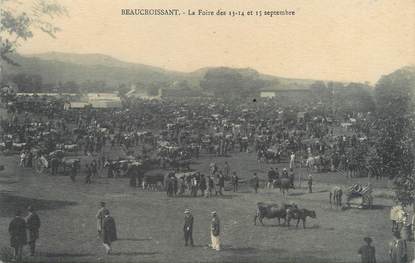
18	238
221	183
169	186
88	174
33	225
74	171
100	217
367	251
255	182
188	227
202	184
310	183
94	168
109	231
235	181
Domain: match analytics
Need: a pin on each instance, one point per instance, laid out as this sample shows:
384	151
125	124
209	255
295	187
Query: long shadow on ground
10	203
252	255
134	253
134	239
65	255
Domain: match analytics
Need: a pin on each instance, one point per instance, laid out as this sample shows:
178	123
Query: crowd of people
171	132
168	135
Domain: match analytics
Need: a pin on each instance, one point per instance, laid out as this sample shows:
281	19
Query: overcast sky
347	40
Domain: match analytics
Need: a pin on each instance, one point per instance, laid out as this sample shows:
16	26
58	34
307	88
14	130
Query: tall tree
19	20
228	82
394	95
28	82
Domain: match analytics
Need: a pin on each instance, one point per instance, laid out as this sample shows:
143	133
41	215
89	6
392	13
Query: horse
299	214
312	162
336	196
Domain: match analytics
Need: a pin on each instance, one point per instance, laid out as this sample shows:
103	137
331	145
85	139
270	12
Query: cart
359	196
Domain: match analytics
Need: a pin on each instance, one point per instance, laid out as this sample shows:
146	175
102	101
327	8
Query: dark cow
271	211
180	165
299	214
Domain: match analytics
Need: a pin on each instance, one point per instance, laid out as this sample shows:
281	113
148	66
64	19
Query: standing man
292	176
227	170
398	249
310	183
215	232
202	184
169	185
255	182
292	160
367	251
109	231
221	183
100	217
74	171
210	186
94	168
18	238
88	174
188	227
33	225
413	225
235	181
271	176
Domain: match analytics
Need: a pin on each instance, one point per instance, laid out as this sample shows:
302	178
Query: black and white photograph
268	131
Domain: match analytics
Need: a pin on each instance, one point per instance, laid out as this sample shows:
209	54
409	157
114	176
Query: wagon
359	196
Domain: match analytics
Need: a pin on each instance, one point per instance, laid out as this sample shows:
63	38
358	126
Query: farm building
95	100
267	93
180	93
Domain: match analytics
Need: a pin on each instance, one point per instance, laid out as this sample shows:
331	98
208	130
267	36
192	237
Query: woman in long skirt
215	231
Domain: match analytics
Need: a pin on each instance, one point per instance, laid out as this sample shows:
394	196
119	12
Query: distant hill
61	67
56	67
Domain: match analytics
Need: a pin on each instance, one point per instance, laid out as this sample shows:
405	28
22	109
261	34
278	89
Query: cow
271	211
180	164
299	214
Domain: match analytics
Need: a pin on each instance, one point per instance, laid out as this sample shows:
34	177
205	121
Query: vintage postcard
207	131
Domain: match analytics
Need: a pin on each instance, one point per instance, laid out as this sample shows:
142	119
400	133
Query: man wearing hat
255	182
398	249
367	251
310	183
235	181
109	231
18	238
188	227
100	217
215	231
33	225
